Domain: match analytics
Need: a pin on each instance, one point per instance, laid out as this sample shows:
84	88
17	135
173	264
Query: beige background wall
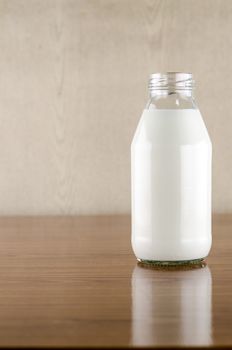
73	82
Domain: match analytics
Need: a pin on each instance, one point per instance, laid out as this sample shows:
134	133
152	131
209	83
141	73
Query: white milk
171	186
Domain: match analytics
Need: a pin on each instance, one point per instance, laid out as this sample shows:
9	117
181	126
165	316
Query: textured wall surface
73	83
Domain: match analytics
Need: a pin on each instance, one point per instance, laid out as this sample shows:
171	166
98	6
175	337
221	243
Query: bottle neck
167	93
172	100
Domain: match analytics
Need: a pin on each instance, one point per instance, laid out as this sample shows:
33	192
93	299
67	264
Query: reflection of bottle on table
171	307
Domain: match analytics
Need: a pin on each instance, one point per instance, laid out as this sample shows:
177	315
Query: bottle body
171	186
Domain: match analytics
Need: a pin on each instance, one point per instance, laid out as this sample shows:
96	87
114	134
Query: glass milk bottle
171	175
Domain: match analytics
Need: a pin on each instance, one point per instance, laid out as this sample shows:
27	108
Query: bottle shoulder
171	126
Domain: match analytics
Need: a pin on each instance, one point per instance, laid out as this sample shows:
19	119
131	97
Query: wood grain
74	282
73	85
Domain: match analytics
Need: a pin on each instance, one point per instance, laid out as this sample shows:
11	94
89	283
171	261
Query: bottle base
158	263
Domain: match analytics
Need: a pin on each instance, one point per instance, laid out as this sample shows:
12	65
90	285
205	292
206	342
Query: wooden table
73	282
